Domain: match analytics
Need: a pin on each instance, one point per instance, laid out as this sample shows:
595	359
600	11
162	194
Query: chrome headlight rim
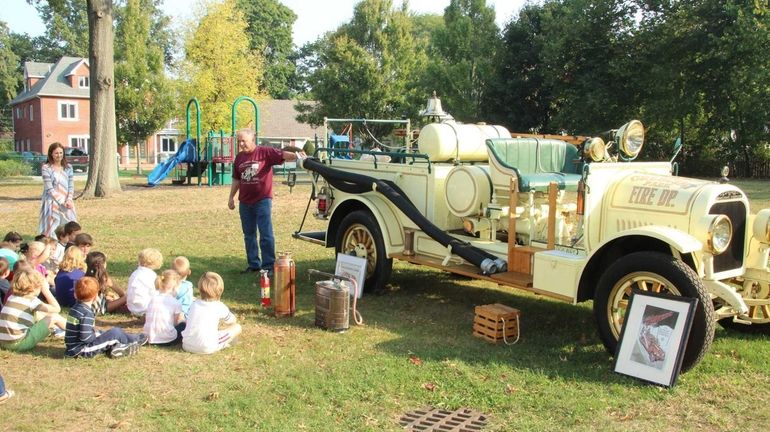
717	241
630	139
595	149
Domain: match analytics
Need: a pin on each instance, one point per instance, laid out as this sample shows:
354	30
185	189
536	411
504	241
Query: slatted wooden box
493	321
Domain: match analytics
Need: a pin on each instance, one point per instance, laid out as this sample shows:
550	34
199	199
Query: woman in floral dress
58	189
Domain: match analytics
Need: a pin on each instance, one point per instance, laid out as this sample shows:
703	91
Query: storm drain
434	419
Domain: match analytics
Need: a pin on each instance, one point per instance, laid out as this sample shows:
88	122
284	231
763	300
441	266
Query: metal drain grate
434	419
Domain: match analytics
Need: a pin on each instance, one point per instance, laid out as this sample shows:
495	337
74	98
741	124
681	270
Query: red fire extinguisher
264	287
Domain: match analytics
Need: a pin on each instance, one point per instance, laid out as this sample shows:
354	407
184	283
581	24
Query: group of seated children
65	273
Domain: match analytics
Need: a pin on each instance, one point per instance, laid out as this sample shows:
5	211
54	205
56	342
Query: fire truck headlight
595	149
761	226
630	138
719	234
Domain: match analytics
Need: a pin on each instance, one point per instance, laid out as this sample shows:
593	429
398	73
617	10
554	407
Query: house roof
53	83
277	118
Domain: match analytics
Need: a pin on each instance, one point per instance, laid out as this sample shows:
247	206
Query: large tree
9	80
219	66
463	57
368	68
269	31
102	170
67	26
144	97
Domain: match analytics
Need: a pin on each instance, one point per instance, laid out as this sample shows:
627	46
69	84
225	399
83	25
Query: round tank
468	189
455	141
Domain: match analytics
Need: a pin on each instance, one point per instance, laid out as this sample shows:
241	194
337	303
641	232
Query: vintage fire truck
569	217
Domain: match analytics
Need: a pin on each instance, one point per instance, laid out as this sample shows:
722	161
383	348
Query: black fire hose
358	184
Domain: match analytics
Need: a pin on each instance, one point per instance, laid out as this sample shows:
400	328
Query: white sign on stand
354	268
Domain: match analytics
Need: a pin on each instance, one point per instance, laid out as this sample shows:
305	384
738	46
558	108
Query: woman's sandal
8	394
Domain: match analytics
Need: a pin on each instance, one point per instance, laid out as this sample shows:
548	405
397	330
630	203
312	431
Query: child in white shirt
164	320
202	334
141	283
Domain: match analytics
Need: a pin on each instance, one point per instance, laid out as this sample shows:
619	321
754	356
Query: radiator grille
732	258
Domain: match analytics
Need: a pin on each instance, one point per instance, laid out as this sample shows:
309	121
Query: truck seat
534	163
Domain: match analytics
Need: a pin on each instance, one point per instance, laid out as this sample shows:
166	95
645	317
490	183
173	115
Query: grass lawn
414	350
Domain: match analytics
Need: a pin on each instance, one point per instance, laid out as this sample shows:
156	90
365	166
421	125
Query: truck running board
315	237
511	278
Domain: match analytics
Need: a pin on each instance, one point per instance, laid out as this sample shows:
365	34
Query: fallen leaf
119	424
212	396
415	360
429	386
509	389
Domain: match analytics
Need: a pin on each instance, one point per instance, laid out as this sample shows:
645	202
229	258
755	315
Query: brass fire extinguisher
285	276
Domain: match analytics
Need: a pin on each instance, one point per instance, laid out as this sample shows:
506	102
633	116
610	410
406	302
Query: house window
168	144
18	112
84	82
68	110
31	113
29	144
81	142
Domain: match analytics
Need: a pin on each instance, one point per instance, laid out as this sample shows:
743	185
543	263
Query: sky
314	17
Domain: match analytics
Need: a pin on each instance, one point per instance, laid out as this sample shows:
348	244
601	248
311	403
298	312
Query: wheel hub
621	294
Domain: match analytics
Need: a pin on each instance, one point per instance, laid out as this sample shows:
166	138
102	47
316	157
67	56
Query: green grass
287	375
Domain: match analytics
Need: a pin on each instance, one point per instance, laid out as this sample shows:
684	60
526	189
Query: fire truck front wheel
360	235
657	273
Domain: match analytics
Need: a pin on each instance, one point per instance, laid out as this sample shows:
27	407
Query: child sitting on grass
164	321
202	334
96	263
141	283
71	269
82	340
19	330
5	272
185	291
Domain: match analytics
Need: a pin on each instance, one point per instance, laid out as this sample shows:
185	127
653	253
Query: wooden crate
488	323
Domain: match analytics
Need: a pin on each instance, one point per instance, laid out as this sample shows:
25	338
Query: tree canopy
219	65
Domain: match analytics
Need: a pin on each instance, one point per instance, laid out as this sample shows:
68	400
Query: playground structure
212	161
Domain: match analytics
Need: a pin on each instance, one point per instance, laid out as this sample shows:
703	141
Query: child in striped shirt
82	340
19	330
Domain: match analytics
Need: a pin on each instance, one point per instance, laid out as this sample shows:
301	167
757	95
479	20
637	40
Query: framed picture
654	337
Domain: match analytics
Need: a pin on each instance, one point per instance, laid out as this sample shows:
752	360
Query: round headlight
761	226
595	149
631	138
720	233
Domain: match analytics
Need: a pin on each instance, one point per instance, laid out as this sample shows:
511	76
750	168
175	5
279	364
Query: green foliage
144	98
66	25
219	66
462	60
8	63
270	34
12	168
367	68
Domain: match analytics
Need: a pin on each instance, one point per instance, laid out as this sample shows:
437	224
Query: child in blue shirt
185	291
82	340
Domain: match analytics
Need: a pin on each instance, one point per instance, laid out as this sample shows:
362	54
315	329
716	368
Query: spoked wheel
657	273
359	235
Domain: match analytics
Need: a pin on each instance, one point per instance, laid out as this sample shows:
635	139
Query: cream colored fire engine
568	217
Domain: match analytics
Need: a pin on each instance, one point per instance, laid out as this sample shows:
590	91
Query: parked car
77	158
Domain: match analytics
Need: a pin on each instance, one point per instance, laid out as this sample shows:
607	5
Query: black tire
665	274
360	235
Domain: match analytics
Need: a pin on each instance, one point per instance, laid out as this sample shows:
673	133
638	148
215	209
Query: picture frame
654	337
352	267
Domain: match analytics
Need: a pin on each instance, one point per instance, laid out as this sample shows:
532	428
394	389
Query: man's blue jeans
258	217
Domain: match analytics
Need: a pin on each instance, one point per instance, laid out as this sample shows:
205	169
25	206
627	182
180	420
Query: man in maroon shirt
253	181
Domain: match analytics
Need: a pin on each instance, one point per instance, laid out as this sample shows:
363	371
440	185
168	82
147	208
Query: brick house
53	106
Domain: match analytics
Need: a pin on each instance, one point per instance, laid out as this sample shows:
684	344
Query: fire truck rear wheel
360	235
659	273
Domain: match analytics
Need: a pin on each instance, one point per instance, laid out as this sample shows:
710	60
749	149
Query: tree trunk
102	167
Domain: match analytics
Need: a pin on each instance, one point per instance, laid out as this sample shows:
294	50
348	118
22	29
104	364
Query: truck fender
386	217
652	238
